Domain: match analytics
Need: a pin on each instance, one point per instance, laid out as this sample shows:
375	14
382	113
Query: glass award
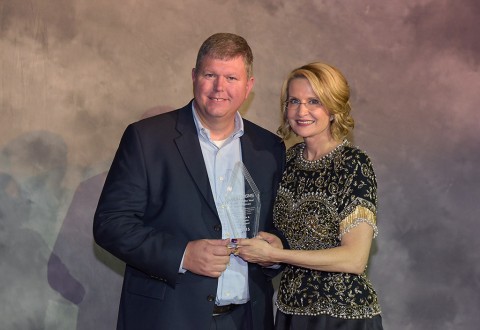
242	204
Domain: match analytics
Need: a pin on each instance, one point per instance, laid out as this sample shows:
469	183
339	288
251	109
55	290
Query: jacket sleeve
119	223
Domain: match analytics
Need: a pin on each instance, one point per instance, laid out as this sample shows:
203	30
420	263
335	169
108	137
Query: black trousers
240	318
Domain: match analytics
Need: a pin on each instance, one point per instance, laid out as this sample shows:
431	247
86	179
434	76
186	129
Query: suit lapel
249	155
189	148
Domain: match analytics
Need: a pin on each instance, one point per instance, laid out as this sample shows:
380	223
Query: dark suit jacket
156	199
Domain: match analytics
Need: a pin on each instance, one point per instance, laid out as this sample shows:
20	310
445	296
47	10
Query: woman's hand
260	250
271	239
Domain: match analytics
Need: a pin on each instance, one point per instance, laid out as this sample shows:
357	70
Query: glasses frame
294	104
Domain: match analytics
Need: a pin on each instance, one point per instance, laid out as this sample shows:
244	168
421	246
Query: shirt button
210	297
217	227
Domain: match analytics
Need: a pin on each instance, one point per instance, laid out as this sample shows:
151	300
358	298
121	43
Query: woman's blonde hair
331	88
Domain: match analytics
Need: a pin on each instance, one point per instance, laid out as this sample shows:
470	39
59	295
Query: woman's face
306	115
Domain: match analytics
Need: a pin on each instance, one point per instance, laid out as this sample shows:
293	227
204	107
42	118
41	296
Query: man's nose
219	83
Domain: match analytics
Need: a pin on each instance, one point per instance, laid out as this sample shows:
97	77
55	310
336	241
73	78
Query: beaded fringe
360	214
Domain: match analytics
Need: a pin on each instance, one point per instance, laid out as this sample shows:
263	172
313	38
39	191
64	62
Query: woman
326	208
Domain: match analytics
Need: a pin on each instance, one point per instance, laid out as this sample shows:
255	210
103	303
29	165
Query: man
160	209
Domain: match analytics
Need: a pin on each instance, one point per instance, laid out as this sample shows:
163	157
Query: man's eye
231	78
209	75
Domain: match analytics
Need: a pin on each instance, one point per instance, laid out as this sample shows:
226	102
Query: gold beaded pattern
317	203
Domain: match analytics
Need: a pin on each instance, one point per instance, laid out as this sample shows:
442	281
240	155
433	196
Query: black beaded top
317	203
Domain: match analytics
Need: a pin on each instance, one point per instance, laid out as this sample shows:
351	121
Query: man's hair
226	46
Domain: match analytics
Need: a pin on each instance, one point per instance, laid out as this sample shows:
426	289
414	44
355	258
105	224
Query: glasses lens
294	104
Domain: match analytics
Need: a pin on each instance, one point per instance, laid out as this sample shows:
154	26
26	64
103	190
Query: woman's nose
302	109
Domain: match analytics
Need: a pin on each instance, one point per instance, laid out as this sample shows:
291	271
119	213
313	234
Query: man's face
220	87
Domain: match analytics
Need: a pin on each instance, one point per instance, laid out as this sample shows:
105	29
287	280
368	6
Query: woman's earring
332	117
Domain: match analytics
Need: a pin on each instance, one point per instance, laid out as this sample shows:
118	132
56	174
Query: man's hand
208	257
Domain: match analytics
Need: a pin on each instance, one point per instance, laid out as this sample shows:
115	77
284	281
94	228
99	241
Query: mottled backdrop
74	73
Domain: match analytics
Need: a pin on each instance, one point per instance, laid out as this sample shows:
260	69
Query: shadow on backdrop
23	257
81	271
33	166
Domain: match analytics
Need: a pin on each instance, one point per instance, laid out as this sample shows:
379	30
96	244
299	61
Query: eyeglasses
294	104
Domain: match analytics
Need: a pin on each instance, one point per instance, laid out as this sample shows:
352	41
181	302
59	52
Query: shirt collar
205	132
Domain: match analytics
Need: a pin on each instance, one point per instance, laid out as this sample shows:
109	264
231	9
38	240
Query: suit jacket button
217	227
210	298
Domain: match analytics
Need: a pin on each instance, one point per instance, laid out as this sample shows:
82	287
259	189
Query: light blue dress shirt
220	159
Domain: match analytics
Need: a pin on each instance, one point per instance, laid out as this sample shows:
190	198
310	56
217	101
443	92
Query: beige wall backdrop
74	73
